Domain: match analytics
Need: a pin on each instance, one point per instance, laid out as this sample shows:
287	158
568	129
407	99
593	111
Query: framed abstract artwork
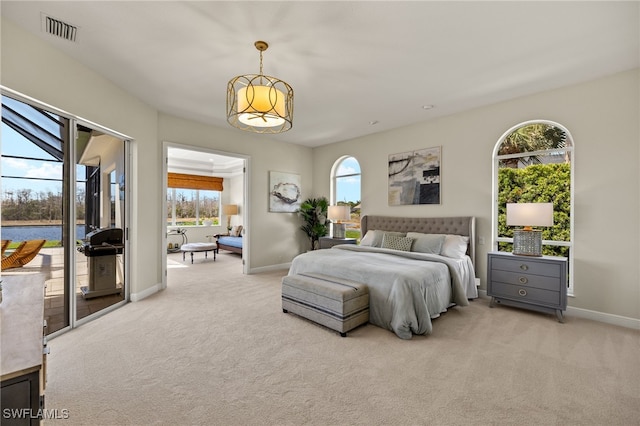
284	192
414	177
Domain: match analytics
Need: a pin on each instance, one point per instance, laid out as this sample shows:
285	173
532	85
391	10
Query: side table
328	242
537	283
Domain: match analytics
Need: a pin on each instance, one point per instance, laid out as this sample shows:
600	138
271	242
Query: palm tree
531	138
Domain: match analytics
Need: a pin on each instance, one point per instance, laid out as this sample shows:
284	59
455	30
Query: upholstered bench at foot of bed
338	304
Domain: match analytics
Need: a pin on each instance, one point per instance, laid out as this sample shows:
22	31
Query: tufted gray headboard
465	226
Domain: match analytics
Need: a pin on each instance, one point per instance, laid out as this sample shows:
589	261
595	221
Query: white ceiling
203	163
350	63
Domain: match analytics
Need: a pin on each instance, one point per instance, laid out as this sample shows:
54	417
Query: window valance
185	181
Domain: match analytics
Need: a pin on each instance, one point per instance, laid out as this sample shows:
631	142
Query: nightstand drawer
525	280
526	294
535	267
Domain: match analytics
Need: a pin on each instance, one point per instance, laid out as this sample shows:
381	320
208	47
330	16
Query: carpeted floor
214	348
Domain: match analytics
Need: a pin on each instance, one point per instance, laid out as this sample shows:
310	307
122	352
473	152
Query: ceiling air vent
58	28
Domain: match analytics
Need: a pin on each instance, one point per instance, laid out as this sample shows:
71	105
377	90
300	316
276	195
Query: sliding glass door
63	184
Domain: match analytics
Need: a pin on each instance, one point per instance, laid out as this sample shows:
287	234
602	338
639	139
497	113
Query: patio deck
50	261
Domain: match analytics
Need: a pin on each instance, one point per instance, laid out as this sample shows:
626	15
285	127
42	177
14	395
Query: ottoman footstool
199	247
336	303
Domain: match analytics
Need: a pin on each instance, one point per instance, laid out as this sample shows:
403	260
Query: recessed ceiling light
428	106
373	122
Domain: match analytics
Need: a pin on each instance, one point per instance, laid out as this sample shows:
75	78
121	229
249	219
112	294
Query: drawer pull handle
524	267
523	280
522	292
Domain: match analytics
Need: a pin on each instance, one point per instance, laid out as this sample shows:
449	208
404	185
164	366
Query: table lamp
336	215
528	241
229	210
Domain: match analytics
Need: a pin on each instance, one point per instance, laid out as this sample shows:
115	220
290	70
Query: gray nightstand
537	283
328	242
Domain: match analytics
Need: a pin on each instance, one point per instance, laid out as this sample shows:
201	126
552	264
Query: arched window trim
494	193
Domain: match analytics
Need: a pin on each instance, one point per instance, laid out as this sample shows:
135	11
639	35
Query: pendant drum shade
260	103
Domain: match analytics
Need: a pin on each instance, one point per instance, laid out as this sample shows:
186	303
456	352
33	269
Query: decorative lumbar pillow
426	243
236	231
373	238
396	242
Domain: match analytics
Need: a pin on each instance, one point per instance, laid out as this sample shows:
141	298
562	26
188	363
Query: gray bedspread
406	289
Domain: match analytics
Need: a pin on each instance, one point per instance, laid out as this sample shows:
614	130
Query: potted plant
313	213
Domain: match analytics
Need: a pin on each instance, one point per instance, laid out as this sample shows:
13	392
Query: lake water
38	232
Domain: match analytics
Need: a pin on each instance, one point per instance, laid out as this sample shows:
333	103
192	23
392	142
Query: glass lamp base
527	243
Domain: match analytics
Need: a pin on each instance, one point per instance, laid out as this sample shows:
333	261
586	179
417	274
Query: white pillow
454	246
427	243
373	238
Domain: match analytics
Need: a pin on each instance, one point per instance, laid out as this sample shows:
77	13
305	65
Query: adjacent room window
190	207
533	162
345	190
192	199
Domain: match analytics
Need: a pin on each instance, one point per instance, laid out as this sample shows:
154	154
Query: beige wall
601	115
603	118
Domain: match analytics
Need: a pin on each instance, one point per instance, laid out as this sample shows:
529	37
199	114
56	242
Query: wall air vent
58	28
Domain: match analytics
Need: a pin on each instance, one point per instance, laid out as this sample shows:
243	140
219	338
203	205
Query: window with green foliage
533	163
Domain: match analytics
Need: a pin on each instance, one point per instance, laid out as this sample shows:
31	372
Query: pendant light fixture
259	103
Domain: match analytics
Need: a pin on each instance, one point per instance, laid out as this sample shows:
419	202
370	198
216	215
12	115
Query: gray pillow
426	243
396	242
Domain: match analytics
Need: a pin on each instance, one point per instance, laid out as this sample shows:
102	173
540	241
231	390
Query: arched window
533	163
345	190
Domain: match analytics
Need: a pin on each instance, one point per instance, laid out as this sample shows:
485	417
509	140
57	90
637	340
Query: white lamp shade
338	213
530	214
261	106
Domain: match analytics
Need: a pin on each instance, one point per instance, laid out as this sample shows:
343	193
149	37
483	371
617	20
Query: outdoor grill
101	247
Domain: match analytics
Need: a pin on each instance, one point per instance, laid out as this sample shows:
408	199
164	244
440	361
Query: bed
407	289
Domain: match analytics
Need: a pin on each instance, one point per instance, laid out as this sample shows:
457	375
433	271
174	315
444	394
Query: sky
13	144
348	188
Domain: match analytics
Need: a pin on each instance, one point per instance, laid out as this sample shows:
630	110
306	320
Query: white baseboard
604	317
270	268
135	297
593	315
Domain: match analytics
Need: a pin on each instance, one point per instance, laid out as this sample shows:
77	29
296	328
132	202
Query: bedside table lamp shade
337	214
229	210
528	241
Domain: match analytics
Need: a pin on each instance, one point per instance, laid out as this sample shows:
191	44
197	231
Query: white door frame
246	197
